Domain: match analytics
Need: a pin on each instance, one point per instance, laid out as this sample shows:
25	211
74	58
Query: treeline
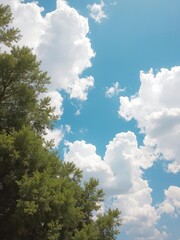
41	197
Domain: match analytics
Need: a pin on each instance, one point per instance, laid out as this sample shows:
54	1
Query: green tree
21	83
108	224
44	198
41	197
22	154
8	35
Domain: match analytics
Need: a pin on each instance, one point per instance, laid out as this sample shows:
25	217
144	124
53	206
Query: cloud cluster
114	90
65	50
115	170
85	157
156	108
60	40
139	216
120	175
96	11
171	204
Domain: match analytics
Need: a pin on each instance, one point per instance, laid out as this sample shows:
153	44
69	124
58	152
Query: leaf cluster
7	34
21	84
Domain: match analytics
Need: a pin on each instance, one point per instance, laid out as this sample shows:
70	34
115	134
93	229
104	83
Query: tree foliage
8	35
41	197
22	82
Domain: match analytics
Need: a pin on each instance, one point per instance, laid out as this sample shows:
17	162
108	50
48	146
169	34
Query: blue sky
119	120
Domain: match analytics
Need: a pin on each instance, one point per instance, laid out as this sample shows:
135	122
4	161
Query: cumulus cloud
27	17
120	175
156	107
56	135
115	170
85	157
171	204
114	90
56	101
139	216
60	40
65	50
97	11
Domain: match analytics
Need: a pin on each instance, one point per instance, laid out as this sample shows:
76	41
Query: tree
7	34
44	198
41	197
22	156
108	224
21	83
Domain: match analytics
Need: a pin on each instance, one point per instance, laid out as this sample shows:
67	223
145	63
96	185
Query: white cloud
115	170
126	160
78	112
97	11
114	90
139	216
65	50
60	40
68	128
27	17
171	204
57	135
56	101
156	107
120	175
78	106
80	87
85	157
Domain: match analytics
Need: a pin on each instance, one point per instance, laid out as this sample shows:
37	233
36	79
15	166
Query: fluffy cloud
85	157
65	50
139	216
120	175
171	204
114	90
115	170
56	101
60	40
156	107
28	18
56	135
97	11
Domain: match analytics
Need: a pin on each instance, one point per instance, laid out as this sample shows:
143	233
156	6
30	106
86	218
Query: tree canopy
41	197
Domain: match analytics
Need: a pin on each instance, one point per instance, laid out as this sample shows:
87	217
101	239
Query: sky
115	80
